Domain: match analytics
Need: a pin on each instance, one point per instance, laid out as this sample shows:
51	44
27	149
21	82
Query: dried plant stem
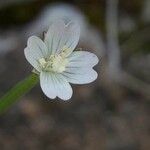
115	71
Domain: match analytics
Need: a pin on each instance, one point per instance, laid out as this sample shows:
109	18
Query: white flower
56	62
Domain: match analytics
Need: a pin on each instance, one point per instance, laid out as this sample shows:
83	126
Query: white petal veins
62	35
82	59
72	35
80	67
47	83
35	50
54	85
54	38
80	75
63	88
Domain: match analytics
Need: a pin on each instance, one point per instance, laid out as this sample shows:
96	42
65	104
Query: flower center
55	63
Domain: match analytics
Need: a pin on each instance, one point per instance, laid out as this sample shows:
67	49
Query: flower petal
55	85
79	69
35	50
80	75
48	84
64	90
82	59
72	36
54	36
61	35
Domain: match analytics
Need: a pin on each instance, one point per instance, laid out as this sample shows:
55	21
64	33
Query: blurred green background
111	113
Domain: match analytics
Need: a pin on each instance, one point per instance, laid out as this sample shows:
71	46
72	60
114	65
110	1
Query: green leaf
18	91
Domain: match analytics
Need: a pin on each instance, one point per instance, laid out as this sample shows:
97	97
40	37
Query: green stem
18	91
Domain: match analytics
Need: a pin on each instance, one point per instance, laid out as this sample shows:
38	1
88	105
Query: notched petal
47	83
82	59
61	35
80	76
35	50
55	85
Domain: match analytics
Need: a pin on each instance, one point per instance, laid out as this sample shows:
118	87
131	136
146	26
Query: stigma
55	63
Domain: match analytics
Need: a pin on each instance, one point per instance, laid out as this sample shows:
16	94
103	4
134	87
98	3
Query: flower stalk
18	91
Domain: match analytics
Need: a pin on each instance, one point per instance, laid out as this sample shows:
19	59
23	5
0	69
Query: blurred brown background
113	112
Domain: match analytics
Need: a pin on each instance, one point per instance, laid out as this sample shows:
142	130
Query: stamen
56	63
